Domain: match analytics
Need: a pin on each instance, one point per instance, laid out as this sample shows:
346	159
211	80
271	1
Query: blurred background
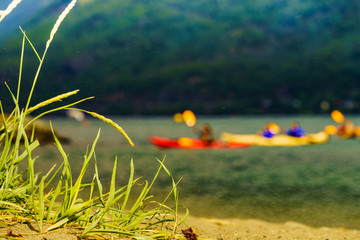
146	57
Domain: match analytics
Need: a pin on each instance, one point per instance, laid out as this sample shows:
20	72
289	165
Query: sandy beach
252	229
216	229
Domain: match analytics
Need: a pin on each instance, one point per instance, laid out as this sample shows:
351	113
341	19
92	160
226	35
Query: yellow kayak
278	140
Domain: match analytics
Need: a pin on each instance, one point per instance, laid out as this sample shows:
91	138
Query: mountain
213	56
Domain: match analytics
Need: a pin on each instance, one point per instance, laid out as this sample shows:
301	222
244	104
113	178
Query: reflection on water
316	185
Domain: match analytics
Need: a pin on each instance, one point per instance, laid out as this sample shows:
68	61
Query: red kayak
192	143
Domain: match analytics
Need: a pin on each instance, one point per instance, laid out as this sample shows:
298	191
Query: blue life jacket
268	134
295	132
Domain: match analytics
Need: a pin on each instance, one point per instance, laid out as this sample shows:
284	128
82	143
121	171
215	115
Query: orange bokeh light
331	129
185	142
274	128
337	116
178	117
189	118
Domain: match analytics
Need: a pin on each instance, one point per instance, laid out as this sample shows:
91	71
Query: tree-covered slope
214	56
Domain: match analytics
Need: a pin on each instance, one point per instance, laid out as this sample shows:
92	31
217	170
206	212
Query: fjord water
318	185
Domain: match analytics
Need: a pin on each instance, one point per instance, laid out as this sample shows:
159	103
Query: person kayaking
206	133
295	130
270	130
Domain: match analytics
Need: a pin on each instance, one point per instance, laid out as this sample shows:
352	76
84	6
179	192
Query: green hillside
213	56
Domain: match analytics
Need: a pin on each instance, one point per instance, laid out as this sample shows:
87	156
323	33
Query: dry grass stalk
52	34
59	20
111	123
51	100
9	9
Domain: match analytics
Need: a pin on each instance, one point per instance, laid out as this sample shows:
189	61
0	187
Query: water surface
316	185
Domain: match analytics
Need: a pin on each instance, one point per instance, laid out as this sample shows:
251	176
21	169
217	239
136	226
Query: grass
52	200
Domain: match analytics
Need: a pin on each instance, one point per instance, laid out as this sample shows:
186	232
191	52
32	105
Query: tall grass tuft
29	196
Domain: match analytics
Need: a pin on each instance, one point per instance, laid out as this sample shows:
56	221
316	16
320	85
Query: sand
252	229
217	229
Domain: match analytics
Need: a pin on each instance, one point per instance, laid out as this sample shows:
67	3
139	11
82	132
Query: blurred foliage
213	56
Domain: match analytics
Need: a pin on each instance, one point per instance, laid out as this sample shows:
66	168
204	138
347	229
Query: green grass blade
109	203
12	205
98	182
76	188
32	46
20	69
58	224
41	204
129	185
30	148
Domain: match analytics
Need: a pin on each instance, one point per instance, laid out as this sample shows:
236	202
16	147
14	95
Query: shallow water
316	185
